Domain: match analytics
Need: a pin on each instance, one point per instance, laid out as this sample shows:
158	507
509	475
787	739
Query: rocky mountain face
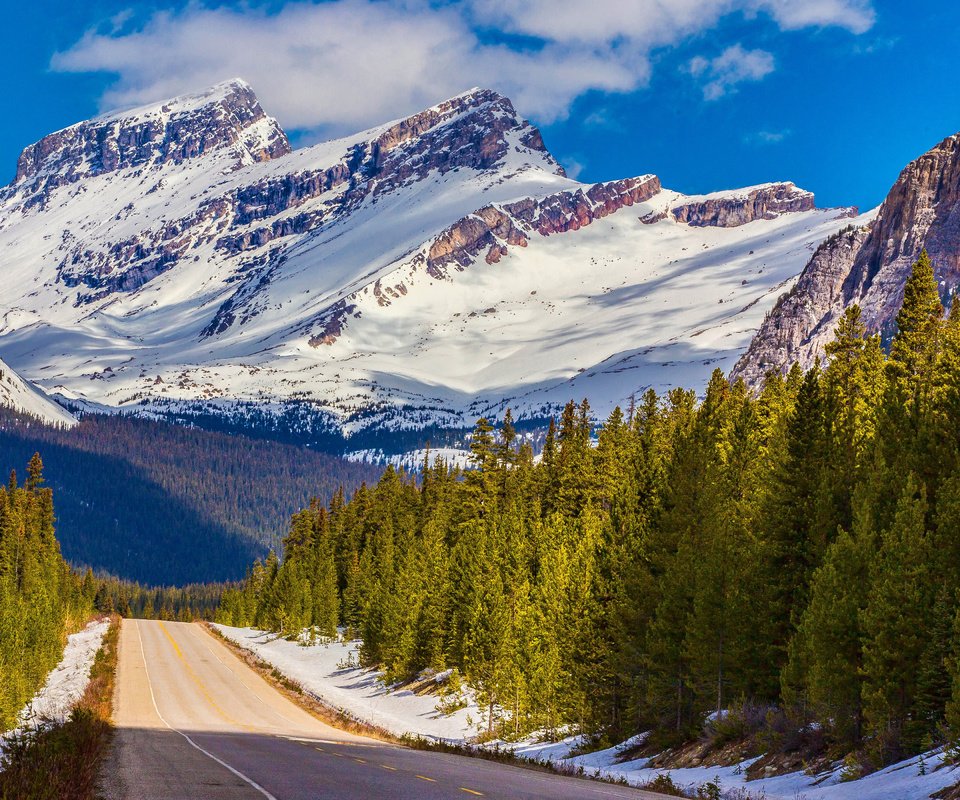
868	265
764	202
225	118
182	260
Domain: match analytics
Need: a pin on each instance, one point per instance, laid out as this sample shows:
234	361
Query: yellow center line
425	778
392	769
360	761
471	791
199	684
319	749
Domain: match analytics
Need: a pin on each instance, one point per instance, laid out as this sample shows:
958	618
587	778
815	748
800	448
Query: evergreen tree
894	628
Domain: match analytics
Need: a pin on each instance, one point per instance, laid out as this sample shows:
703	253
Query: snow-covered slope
182	258
20	395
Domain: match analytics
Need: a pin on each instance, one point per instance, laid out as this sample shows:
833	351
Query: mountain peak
227	117
479	127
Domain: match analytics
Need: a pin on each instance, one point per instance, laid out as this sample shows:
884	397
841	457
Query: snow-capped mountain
21	396
182	258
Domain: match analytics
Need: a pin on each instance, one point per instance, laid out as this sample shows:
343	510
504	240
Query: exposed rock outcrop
868	267
789	332
227	117
496	228
475	130
729	211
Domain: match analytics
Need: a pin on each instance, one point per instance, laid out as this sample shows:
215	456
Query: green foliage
794	551
41	600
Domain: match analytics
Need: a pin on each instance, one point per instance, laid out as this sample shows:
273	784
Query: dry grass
62	762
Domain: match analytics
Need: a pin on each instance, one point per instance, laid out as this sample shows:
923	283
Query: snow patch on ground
25	397
412	460
67	681
329	672
908	780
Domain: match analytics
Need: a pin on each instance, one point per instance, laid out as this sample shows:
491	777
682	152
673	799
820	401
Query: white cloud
856	16
340	65
733	66
767	137
653	22
602	118
573	166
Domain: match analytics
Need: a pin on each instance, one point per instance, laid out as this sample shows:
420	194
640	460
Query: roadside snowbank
328	671
66	682
325	671
902	781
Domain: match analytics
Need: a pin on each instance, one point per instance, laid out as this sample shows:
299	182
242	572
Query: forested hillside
40	598
166	504
795	552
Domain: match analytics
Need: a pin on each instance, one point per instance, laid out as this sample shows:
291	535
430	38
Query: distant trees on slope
799	549
166	504
41	600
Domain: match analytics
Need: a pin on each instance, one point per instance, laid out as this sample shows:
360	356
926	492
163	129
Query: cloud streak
735	65
341	65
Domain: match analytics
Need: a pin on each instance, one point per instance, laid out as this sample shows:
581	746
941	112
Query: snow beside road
324	670
902	781
67	682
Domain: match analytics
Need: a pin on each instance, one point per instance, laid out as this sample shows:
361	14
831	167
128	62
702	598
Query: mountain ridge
414	275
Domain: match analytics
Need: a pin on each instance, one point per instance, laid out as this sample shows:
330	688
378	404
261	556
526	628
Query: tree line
194	601
797	549
41	600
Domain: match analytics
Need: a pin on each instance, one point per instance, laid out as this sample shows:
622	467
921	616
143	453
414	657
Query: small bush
709	790
664	784
851	770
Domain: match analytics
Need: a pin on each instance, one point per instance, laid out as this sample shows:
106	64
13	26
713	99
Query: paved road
194	721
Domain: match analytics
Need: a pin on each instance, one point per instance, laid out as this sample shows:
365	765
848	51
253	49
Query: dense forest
187	603
795	551
165	504
41	600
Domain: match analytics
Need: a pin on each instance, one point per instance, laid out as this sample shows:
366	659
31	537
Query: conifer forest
41	599
796	551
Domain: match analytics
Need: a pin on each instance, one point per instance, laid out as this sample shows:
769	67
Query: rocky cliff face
801	321
227	117
731	210
868	266
495	229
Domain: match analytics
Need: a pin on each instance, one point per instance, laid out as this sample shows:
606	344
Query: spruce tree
895	624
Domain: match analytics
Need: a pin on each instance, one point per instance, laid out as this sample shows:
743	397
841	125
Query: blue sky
836	95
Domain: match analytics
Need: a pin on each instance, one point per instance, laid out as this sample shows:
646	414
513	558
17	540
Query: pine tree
895	628
825	654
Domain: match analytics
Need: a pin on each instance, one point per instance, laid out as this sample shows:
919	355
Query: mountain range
182	260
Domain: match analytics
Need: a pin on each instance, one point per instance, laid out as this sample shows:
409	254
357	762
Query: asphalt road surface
194	721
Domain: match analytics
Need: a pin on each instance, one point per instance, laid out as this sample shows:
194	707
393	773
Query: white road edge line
208	754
